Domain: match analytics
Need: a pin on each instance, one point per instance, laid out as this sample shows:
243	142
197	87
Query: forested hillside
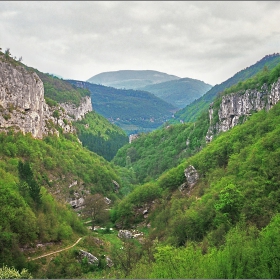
133	110
179	92
100	136
42	180
34	185
153	153
192	111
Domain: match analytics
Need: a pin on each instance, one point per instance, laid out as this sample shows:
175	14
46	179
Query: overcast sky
209	41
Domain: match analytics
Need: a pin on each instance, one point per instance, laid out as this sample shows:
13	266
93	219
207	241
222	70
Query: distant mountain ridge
180	92
131	79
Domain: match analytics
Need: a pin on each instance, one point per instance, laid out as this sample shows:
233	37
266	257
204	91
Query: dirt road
51	253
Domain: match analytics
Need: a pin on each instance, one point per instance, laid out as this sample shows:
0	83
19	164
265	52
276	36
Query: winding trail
64	249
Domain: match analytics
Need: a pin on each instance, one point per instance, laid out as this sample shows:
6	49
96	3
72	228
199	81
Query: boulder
126	234
91	258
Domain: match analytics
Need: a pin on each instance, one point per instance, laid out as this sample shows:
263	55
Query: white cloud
210	41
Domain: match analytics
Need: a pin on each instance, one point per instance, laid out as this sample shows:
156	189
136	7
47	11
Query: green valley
189	200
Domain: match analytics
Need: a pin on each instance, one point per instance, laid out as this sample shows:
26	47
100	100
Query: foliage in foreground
11	273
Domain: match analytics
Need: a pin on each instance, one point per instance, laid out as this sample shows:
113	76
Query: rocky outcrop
90	258
77	113
192	177
109	262
116	186
77	203
236	107
133	137
23	107
127	234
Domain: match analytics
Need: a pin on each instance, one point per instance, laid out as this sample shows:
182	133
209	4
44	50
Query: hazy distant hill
131	79
193	110
133	110
179	92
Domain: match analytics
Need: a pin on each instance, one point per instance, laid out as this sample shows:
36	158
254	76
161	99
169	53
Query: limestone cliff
78	112
23	107
236	107
21	99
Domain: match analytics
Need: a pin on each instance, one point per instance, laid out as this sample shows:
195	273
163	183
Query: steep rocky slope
24	108
236	107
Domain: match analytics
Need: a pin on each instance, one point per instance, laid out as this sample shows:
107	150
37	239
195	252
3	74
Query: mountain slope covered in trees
39	179
179	92
100	136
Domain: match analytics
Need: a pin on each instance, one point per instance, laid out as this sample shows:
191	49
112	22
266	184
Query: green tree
26	176
230	202
7	54
95	208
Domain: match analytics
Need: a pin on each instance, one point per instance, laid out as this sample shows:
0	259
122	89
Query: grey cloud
78	39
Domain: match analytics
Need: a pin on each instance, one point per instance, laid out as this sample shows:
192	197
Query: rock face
21	99
23	107
78	112
236	107
192	177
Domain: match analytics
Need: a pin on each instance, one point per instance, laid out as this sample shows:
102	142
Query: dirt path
48	254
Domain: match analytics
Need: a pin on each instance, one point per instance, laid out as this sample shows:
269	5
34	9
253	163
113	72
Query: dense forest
140	218
100	136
